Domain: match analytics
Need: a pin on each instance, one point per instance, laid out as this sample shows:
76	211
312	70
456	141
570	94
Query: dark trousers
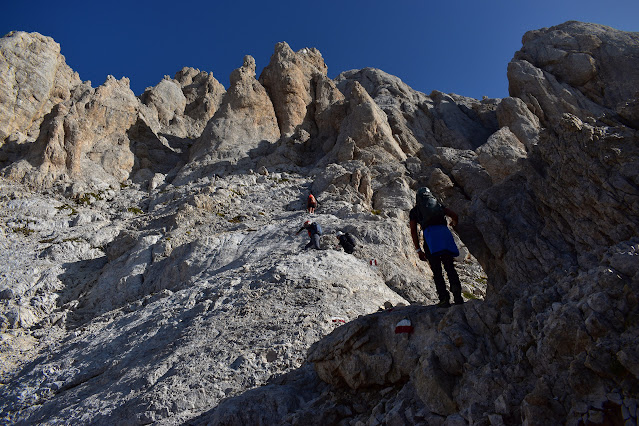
315	242
448	261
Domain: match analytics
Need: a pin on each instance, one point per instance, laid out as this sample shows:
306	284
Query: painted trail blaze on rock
404	326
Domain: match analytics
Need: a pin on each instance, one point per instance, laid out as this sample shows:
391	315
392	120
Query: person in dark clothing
314	232
445	254
347	241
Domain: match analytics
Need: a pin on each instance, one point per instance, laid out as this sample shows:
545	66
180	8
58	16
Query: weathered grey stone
86	134
166	304
500	155
202	91
33	78
598	60
513	113
366	125
245	120
166	99
583	69
289	79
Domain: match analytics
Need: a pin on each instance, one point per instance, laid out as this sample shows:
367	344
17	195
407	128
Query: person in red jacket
311	203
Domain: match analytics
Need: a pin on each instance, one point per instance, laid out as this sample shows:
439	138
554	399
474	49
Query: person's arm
415	235
453	216
301	229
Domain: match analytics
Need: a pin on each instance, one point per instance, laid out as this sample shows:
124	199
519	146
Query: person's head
424	192
425	196
307	224
339	233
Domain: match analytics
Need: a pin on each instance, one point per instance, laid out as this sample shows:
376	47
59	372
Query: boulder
500	155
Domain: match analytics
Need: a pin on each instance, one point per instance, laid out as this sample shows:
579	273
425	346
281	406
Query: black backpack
347	242
430	211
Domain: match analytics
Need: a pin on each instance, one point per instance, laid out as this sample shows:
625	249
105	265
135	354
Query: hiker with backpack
347	241
314	232
311	203
439	245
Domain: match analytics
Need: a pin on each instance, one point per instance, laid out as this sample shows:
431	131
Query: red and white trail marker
404	326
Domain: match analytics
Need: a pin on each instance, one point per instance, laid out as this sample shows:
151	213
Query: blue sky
456	46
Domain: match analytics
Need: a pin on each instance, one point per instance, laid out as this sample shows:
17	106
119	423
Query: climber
439	245
314	231
347	241
311	203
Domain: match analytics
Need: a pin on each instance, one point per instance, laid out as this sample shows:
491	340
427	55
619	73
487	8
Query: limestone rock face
33	78
84	133
309	107
166	99
513	113
421	122
55	128
184	295
202	91
407	111
290	78
366	130
500	154
532	201
245	120
583	69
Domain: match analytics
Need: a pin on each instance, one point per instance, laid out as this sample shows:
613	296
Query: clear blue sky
458	46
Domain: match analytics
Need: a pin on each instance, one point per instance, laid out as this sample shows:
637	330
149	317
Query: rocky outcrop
184	104
85	133
166	100
243	124
365	133
34	77
583	69
202	91
55	128
183	295
291	79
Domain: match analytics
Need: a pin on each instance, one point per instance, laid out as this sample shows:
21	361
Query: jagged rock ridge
201	293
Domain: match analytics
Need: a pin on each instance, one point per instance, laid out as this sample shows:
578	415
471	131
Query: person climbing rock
439	245
311	203
347	241
314	232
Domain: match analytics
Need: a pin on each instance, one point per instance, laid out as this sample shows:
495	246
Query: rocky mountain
152	272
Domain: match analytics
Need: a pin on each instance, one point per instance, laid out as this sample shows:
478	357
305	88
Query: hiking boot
443	304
